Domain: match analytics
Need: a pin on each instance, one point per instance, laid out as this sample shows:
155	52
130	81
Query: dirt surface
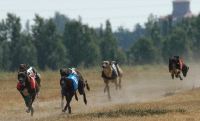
140	85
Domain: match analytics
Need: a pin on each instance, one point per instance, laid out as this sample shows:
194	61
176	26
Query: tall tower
181	9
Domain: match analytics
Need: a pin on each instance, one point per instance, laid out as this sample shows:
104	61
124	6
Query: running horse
111	72
176	67
70	82
27	89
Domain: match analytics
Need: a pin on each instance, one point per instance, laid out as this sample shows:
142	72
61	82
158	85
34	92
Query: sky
125	13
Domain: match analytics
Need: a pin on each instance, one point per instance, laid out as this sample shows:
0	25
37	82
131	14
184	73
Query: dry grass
148	94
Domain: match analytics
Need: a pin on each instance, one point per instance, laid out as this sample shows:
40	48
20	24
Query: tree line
55	42
63	42
161	38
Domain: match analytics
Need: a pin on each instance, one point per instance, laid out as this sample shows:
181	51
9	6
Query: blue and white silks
74	78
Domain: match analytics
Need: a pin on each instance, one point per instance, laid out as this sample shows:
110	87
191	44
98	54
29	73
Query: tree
26	52
109	44
3	46
50	51
13	35
196	37
81	43
176	44
143	52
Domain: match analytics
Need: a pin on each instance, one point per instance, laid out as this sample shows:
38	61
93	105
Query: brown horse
27	92
69	87
174	69
111	72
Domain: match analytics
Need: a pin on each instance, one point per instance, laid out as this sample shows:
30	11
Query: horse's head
65	72
105	64
185	70
173	66
23	67
22	77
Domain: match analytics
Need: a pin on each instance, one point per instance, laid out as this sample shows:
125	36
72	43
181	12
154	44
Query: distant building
181	9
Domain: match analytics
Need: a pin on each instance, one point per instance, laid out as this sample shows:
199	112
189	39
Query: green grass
131	112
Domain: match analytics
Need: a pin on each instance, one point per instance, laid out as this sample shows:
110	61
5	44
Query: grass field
148	94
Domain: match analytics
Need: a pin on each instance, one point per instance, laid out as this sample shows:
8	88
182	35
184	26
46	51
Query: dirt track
145	86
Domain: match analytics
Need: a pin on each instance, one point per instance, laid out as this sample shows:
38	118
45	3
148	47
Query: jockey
32	76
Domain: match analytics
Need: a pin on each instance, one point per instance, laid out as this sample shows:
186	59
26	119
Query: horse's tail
87	85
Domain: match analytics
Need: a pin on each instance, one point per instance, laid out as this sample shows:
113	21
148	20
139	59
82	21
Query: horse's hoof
120	87
63	110
28	110
32	112
70	112
85	101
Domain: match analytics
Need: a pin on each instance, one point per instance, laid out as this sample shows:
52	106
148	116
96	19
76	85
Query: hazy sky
93	12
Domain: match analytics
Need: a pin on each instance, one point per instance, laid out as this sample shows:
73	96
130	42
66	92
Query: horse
111	72
175	70
28	93
70	83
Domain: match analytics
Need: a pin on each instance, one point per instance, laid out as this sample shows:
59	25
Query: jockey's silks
181	64
74	78
32	82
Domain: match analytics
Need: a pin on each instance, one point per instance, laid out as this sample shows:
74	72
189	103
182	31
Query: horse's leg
105	88
180	77
84	98
62	101
76	97
120	86
172	74
37	89
65	108
116	85
28	104
31	103
87	85
68	99
68	103
30	108
108	89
